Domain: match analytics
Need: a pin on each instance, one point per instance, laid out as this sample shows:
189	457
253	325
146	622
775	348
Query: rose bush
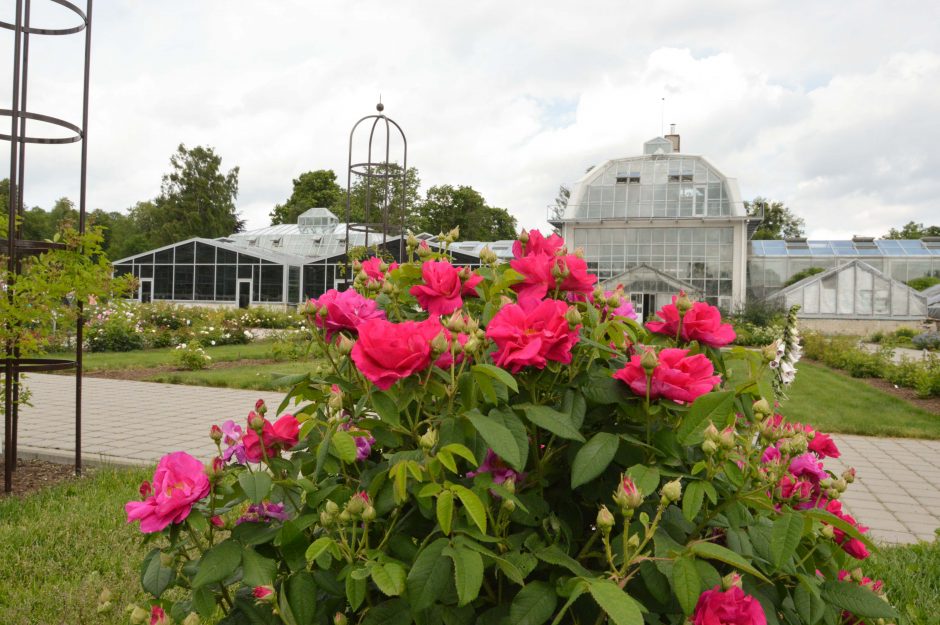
534	456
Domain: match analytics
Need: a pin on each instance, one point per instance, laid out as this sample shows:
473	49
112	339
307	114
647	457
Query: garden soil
33	475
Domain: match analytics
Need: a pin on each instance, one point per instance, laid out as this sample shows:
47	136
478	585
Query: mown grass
148	358
833	402
912	578
60	547
251	376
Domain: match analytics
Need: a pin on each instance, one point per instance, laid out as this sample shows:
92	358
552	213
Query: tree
311	189
913	230
376	197
561	202
778	222
446	207
196	199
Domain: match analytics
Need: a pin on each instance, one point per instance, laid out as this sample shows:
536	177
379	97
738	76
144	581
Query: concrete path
897	492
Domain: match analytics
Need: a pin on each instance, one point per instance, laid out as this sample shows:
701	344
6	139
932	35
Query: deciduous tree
779	222
312	189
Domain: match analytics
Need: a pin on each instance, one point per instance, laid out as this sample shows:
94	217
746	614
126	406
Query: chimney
673	137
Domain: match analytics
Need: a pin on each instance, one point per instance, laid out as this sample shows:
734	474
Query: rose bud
139	615
439	344
428	440
263	594
727	438
605	520
762	407
215	433
731	580
672	491
683	303
523	236
145	489
649	360
217	521
709	447
255	421
488	256
711	433
573	317
628	496
508	505
345	345
158	616
828	532
849	475
339	619
368	514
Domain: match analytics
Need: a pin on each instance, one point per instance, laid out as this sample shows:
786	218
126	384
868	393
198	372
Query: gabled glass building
279	266
674	213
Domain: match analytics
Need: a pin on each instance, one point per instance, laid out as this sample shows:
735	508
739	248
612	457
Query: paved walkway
897	492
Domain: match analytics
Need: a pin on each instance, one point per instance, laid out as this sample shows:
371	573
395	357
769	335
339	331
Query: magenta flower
179	481
232	436
364	440
495	466
345	310
263	512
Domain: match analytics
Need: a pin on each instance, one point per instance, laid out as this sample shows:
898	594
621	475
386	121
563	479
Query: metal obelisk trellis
377	176
16	248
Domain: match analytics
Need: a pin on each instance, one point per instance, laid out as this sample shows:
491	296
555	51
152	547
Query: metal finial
380	107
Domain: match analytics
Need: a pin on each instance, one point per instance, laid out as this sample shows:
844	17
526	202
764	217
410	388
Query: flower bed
509	446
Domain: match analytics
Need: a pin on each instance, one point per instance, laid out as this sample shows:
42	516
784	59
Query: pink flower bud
628	496
215	433
339	619
145	489
158	616
260	407
683	303
217	521
263	594
255	421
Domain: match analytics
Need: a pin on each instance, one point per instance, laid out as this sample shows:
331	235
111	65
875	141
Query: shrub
805	273
191	356
927	340
905	333
516	459
923	283
752	335
759	312
113	328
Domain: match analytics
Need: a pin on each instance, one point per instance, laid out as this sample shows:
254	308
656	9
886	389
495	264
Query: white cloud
826	108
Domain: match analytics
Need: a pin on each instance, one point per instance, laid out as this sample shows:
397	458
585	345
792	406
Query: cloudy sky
829	106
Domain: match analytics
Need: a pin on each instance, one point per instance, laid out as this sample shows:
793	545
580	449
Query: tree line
197	199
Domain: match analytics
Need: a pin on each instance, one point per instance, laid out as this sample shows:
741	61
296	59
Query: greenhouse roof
866	247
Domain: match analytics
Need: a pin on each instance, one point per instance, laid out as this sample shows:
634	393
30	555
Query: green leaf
553	554
692	500
646	478
256	485
391	612
809	605
472	505
445	510
389	578
318	547
343	446
218	563
468	573
619	606
709	407
429	576
827	517
257	570
386	408
785	538
858	600
558	423
656	582
515	425
601	388
498	437
533	605
460	450
686	583
722	554
302	597
355	590
497	373
156	578
593	458
204	602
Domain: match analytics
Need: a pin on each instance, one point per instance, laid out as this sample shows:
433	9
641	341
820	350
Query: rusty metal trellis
380	174
17	248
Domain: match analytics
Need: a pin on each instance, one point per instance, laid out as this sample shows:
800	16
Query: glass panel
205	254
163	282
122	269
226	256
225	282
185	253
146	271
293	285
205	282
183	282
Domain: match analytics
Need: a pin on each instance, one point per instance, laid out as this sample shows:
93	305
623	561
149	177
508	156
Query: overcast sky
832	107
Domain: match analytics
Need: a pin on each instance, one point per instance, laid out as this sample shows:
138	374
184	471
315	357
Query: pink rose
530	333
442	291
731	607
445	360
282	434
158	616
345	310
701	323
495	466
545	274
807	465
387	352
537	245
823	446
179	481
852	546
373	269
263	594
677	376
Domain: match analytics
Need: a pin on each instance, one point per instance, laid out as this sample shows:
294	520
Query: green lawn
833	402
912	578
255	377
146	358
59	548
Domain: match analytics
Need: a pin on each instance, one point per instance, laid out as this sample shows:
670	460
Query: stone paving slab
897	492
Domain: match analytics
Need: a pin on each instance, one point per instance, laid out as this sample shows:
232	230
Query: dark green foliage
923	283
799	275
913	230
312	189
779	221
446	207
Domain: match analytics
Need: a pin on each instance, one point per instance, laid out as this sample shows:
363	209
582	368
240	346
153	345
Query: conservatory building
279	266
661	222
